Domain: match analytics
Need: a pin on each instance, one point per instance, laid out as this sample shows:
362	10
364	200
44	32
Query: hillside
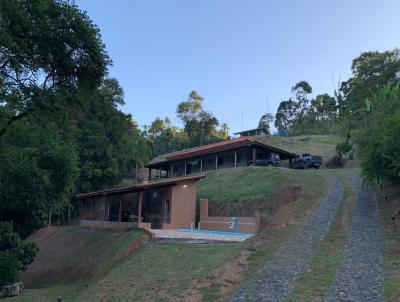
239	191
89	265
69	257
323	145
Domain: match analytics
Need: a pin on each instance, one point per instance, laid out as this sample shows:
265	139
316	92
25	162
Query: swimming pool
216	232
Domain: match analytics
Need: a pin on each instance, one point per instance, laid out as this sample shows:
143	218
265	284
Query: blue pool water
216	232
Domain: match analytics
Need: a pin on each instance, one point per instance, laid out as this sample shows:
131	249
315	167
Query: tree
371	72
301	90
293	109
325	107
189	112
49	50
107	139
15	255
265	121
285	114
200	125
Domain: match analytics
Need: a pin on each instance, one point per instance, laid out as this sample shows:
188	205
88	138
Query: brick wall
183	206
249	225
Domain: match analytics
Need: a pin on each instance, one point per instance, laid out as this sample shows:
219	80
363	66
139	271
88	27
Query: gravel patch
360	276
275	281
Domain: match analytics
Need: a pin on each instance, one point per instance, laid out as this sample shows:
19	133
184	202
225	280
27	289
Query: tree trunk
50	219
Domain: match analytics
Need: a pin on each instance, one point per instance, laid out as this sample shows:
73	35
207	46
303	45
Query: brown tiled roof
141	186
214	148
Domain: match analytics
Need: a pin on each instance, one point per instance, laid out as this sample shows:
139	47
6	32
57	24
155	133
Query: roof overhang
168	182
220	147
250	130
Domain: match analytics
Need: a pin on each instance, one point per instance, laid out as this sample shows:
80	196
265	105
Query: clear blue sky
236	54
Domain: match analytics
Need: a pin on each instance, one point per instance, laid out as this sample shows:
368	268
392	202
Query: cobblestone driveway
361	274
275	281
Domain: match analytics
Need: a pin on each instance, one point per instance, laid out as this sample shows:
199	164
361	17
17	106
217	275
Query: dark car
269	159
306	161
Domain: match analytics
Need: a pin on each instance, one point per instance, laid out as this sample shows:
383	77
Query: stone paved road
360	276
275	281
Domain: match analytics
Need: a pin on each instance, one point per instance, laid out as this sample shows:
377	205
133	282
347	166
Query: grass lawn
160	272
69	258
239	191
241	188
315	282
323	145
69	293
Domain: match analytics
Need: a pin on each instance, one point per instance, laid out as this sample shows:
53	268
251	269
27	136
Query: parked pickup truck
269	159
306	161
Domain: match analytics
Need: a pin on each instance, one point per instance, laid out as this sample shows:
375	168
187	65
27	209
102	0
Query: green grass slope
159	272
323	145
70	257
239	191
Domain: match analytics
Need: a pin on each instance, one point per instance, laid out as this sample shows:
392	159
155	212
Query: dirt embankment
70	254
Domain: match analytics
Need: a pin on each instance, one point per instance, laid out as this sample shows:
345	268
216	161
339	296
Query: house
252	132
163	204
232	153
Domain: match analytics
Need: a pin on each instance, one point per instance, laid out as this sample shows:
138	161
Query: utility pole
242	118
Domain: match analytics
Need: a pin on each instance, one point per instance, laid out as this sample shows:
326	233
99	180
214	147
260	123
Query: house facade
252	132
237	152
164	204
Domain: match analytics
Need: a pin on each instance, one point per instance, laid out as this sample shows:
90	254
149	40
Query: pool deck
174	234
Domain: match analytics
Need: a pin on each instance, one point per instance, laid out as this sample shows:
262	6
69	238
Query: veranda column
139	197
185	167
82	208
105	208
254	156
235	159
120	210
91	214
201	164
216	162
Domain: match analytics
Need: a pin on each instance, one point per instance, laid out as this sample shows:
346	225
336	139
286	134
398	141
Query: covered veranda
233	153
163	204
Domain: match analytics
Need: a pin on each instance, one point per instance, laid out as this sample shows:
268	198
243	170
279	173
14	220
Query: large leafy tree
265	121
107	139
49	50
371	72
201	126
294	108
58	115
324	106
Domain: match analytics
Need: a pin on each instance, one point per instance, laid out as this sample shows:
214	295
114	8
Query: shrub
8	269
335	162
345	149
15	255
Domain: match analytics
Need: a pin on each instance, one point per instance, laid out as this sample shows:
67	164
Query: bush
335	162
15	255
381	157
345	149
8	269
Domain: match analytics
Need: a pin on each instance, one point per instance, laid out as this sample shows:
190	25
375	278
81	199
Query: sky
242	56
